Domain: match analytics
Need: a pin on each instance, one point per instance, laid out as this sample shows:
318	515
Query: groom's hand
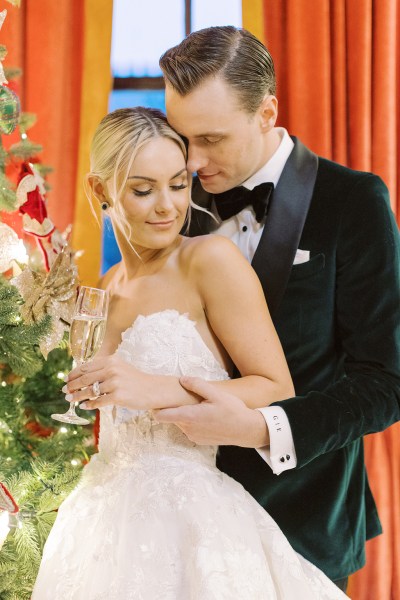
219	419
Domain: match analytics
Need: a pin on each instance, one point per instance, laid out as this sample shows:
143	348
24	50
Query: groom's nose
197	159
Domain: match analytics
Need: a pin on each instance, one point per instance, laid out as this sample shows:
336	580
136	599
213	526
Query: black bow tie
230	203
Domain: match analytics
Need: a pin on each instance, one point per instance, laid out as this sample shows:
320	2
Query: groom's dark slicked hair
234	54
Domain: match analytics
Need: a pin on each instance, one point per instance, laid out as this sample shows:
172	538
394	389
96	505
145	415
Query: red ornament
31	202
38	430
7	502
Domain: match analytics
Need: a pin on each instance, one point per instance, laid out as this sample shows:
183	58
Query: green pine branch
19	341
39	494
8	197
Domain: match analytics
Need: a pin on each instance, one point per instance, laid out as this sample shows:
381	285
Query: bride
152	517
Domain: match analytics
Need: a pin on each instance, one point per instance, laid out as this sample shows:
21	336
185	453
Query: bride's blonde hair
116	142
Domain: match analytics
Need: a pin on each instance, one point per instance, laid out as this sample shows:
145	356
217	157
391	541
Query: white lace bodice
163	343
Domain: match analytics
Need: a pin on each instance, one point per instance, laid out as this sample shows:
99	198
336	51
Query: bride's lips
161	224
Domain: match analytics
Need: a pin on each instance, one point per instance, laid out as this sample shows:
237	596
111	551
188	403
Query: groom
324	243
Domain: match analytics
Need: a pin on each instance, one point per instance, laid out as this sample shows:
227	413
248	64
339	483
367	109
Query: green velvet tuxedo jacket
338	319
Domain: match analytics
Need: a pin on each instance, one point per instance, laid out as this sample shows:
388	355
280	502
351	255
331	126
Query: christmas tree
40	460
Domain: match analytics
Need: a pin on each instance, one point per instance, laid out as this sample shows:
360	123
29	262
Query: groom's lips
206	177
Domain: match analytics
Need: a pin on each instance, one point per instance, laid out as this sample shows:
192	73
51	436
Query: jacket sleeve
365	397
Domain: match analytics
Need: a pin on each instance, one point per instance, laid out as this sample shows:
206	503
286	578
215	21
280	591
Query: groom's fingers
181	414
188	413
201	388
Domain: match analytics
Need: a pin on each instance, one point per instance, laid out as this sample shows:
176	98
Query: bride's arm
235	307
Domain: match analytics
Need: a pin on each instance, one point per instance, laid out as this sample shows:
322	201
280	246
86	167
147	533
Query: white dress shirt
244	230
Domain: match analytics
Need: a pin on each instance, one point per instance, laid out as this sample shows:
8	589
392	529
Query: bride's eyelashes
174	188
142	192
182	186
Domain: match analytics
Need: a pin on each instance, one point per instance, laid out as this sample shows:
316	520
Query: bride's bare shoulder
205	248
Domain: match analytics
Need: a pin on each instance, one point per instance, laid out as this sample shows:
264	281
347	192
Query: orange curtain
46	40
337	64
63	49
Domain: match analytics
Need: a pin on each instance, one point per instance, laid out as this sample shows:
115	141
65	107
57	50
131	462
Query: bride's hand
109	380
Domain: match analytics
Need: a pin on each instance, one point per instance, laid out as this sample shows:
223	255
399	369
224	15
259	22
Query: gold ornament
52	293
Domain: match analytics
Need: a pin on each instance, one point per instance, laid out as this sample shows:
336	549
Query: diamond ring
96	389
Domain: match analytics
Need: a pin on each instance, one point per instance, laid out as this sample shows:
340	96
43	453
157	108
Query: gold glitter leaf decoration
52	293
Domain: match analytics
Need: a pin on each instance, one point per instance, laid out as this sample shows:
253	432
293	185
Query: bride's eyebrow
179	173
154	180
142	177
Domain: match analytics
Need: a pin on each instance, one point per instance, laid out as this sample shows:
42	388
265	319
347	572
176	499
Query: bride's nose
164	201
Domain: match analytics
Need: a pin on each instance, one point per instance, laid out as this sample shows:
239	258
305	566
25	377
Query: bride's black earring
104	205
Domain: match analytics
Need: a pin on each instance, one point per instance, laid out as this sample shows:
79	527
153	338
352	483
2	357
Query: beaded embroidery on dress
154	519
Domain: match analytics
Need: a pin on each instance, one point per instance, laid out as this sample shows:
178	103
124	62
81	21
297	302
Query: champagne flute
85	336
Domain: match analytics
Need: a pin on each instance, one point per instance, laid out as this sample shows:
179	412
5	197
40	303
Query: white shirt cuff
280	455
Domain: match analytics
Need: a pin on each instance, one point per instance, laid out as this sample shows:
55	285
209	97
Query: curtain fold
338	74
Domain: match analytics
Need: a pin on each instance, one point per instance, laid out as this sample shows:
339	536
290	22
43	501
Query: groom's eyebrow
154	180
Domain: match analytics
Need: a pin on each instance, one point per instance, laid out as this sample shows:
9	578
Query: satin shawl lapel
275	253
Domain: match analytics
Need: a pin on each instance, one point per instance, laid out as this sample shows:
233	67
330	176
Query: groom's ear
268	112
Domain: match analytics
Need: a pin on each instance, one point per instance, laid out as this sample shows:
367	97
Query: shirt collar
272	170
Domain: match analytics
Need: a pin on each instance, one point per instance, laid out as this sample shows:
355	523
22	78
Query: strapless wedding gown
154	519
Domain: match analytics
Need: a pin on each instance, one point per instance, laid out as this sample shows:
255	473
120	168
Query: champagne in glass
86	336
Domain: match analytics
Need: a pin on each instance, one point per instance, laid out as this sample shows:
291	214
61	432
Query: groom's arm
366	398
220	418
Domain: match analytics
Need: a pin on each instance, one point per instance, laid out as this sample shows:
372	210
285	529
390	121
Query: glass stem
71	411
77	362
